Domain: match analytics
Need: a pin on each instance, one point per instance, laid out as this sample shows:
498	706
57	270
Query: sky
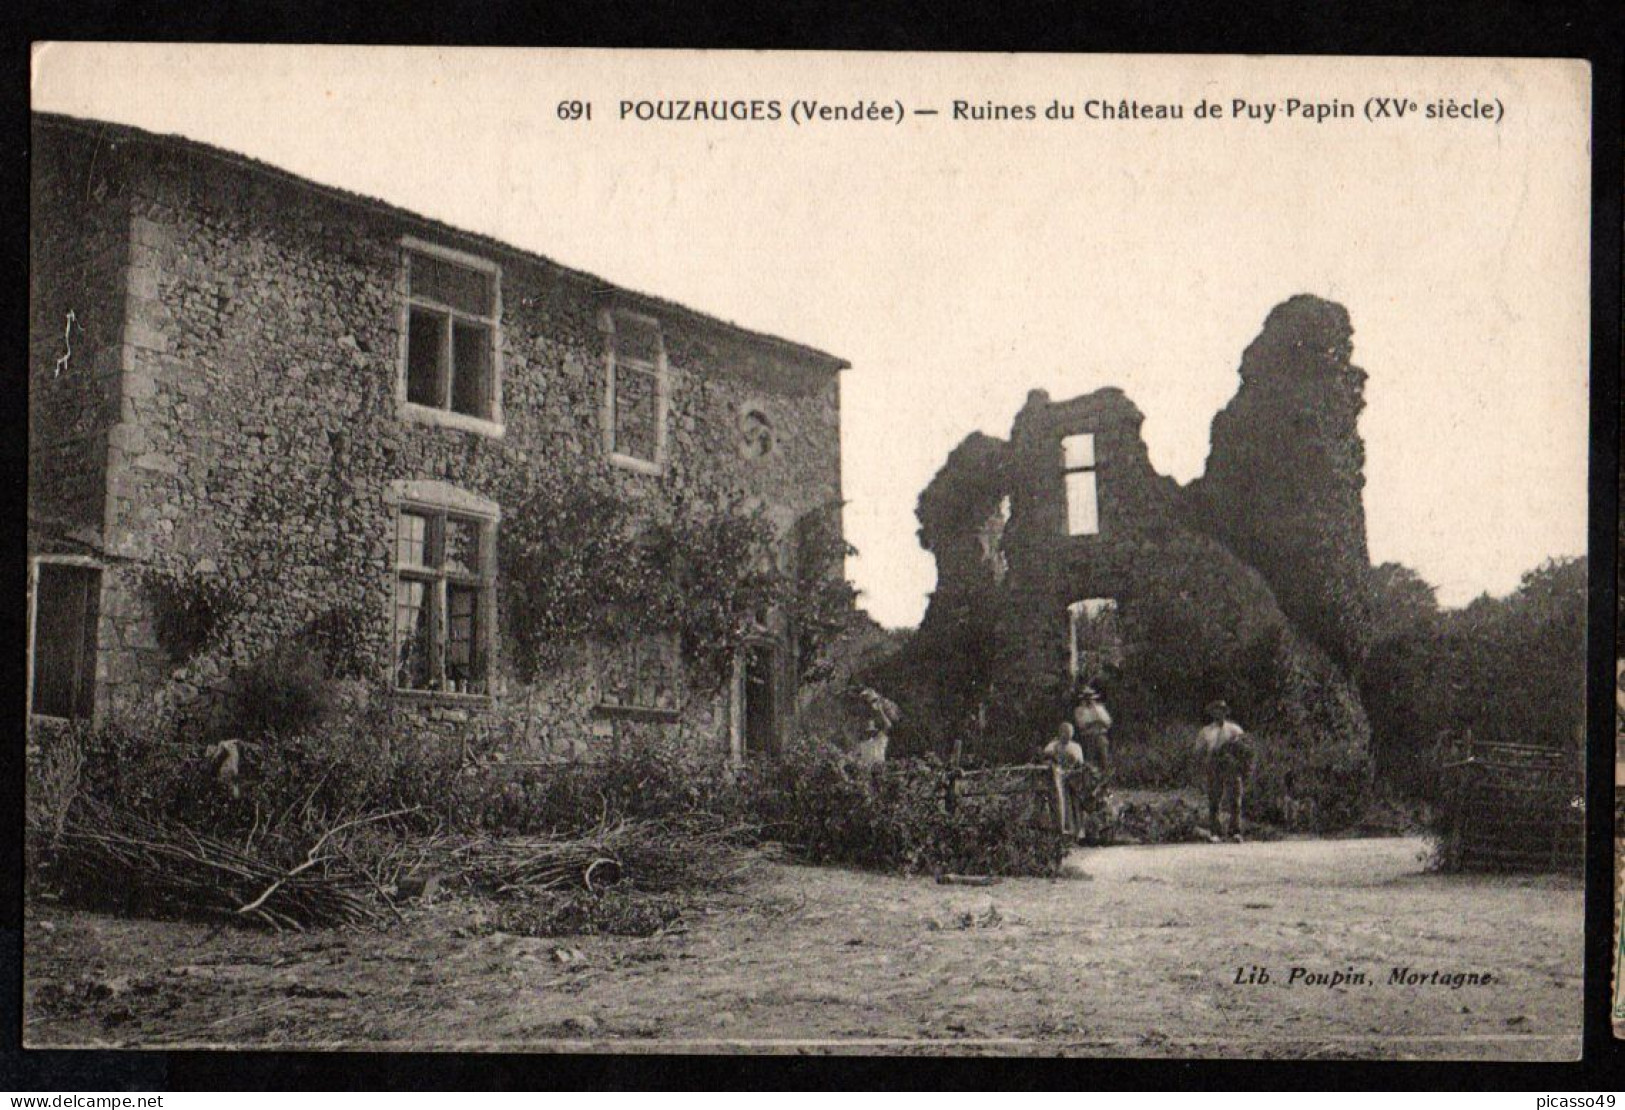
959	263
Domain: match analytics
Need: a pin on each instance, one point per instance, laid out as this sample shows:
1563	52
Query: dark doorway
65	598
760	735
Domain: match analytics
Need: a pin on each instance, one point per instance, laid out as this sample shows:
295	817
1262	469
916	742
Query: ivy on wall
583	562
190	609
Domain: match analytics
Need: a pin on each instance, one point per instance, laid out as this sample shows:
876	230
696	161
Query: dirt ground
1137	953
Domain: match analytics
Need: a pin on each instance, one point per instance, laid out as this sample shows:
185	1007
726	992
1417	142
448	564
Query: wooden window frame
82	562
438	581
637	649
660	369
444	415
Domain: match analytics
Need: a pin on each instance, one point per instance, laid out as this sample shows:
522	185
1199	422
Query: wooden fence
1516	807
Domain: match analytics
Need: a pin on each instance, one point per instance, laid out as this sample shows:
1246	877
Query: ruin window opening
1094	638
1082	495
452	313
443	600
991	539
636	392
63	612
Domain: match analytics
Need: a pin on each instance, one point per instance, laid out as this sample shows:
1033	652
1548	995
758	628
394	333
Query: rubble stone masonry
235	407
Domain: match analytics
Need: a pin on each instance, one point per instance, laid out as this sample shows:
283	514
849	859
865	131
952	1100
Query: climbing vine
190	609
581	562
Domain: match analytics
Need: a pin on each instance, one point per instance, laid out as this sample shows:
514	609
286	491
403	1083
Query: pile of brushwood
351	826
160	838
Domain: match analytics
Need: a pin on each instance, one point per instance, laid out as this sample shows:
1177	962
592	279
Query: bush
1164	760
644	781
894	819
1309	789
285	693
1162	820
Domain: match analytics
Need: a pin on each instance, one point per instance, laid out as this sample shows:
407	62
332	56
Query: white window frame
662	372
434	498
34	564
1092	469
433	414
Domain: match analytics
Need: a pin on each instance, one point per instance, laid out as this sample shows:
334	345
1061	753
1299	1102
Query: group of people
1082	755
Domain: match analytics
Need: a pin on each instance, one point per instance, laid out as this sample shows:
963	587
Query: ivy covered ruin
1062	554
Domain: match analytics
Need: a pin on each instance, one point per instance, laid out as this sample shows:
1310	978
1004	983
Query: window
640	674
756	439
1095	637
442	600
62	648
1082	507
451	336
990	536
635	400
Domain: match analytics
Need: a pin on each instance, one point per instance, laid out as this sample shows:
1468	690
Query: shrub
645	780
830	811
1163	760
284	692
1167	820
1309	789
190	609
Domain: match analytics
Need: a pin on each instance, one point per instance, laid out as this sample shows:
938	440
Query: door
759	733
63	651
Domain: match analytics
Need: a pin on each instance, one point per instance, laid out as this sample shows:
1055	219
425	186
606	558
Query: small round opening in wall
756	438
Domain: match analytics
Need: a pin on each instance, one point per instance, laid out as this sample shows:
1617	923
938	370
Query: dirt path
1141	958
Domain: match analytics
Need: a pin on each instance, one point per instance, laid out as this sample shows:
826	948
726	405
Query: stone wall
1285	477
1197	620
261	430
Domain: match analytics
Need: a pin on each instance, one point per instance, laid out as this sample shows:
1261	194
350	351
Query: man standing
1065	755
883	715
1227	756
1093	724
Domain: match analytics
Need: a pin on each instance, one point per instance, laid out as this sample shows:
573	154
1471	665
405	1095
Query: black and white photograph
650	551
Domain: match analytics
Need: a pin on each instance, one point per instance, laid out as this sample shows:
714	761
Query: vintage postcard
778	552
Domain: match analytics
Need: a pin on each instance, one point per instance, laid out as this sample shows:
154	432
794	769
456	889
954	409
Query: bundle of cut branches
115	855
658	857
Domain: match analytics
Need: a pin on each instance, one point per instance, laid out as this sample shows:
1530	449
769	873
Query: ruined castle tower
1284	478
1063	556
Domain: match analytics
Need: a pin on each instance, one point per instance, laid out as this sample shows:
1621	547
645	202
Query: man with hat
1093	724
1227	756
882	716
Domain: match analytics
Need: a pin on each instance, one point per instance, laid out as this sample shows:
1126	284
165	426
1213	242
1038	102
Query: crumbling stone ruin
1285	473
304	410
1062	553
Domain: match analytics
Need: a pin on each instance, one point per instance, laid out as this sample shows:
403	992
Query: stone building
315	401
1063	555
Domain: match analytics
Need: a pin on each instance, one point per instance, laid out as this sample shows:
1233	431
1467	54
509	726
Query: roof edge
821	360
